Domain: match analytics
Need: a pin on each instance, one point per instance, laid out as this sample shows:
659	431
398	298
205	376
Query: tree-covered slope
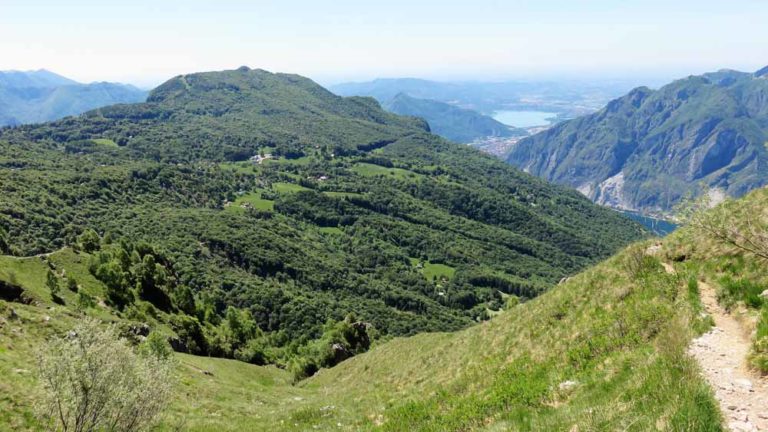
451	122
649	148
344	209
39	96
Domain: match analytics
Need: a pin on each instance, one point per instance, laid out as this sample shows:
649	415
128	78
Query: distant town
501	146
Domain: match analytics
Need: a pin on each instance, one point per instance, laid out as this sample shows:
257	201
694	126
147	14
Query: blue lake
524	119
659	227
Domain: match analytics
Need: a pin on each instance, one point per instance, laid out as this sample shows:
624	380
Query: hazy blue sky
147	41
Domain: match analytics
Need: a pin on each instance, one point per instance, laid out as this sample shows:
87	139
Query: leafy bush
92	380
84	301
638	263
191	336
156	345
52	283
339	342
89	241
72	284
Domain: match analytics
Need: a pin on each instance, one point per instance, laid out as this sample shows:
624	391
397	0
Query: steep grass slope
603	351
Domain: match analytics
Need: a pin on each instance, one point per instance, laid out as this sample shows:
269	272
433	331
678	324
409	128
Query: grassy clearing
438	271
254	200
304	160
366	169
287	187
105	142
29	273
210	390
432	271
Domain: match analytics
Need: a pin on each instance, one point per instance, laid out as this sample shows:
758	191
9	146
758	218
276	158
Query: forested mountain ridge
268	194
649	149
449	121
39	96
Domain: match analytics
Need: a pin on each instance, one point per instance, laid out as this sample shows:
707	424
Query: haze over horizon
146	42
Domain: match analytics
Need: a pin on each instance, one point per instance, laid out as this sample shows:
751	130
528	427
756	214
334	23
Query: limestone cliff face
648	149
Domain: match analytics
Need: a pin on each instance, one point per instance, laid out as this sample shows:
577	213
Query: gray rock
741	426
744	384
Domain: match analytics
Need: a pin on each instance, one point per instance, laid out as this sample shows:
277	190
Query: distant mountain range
39	96
648	149
462	111
449	121
569	98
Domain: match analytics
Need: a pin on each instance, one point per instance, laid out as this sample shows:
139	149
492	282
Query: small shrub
85	301
255	351
92	380
511	302
639	264
156	345
72	284
693	289
52	283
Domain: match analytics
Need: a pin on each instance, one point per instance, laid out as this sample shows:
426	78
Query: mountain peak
762	72
40	78
183	86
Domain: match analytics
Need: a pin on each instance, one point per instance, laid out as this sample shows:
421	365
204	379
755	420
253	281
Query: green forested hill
348	209
451	122
649	149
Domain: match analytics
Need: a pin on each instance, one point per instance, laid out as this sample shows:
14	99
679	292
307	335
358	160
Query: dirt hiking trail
722	354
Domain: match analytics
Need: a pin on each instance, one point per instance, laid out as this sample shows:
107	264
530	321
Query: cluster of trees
339	341
140	281
131	271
